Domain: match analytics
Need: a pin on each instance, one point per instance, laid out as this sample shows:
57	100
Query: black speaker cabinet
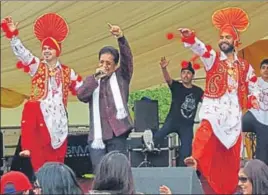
181	180
77	157
146	115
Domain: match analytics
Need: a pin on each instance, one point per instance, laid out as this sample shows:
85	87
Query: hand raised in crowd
115	31
164	190
163	62
191	162
10	23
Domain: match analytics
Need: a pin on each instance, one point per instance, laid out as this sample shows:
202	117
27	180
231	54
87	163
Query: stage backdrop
77	111
145	24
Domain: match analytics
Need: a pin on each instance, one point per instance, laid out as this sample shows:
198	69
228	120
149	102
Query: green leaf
162	94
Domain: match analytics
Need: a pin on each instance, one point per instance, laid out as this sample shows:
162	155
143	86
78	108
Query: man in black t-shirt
180	119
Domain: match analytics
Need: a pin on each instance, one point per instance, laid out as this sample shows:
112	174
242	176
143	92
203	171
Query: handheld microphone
98	73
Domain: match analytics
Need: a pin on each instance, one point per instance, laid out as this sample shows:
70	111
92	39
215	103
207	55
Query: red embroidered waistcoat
40	83
217	80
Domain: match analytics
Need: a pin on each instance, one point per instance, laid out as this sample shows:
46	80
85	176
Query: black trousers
185	133
116	143
251	124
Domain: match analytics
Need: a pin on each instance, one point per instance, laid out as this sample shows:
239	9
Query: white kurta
262	114
52	106
223	113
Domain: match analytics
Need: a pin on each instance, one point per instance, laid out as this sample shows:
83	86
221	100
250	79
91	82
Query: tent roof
144	23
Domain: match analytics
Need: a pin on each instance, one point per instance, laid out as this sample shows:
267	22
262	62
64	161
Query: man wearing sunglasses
107	93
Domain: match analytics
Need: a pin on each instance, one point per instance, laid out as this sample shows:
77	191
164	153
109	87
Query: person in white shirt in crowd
256	120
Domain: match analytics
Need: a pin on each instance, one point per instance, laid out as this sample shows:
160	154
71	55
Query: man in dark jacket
107	93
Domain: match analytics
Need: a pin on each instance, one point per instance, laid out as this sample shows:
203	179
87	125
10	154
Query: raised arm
207	55
163	64
126	58
23	54
253	89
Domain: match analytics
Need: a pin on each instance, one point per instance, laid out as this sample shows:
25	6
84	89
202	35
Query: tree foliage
161	93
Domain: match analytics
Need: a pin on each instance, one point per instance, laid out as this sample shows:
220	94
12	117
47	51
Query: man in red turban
44	124
230	84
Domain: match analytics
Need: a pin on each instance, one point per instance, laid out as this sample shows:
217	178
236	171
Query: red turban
51	29
232	21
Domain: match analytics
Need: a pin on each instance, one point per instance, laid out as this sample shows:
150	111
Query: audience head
253	177
114	174
187	72
264	69
57	178
108	59
15	182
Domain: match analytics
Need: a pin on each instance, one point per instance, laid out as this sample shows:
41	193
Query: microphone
98	74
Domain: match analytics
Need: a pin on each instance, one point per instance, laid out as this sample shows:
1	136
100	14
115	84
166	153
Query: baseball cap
189	67
13	182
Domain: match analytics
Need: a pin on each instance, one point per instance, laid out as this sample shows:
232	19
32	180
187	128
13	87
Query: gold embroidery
40	83
53	72
242	85
215	82
230	71
35	91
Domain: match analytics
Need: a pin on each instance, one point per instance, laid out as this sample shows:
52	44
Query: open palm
163	62
10	23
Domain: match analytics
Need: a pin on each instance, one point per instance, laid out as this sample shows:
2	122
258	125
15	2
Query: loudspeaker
77	155
146	115
181	180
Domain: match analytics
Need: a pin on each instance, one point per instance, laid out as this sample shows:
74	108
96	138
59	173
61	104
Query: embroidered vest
217	80
40	83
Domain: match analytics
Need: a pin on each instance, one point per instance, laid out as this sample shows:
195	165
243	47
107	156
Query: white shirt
223	113
52	106
262	114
